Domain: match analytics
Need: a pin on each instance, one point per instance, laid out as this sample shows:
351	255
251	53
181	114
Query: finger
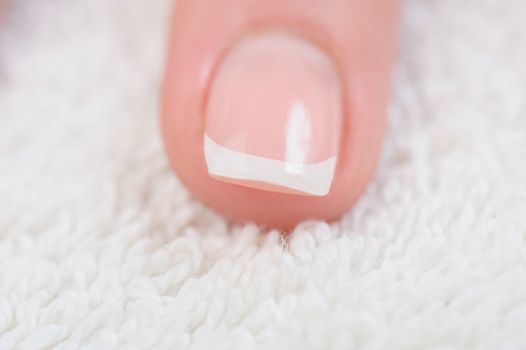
273	111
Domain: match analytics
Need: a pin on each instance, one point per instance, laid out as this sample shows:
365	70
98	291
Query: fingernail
274	116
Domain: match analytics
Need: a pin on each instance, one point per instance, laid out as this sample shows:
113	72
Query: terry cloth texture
101	247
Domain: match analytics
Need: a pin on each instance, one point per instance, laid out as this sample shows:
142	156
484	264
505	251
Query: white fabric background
101	247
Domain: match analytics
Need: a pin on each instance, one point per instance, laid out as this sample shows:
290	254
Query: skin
358	34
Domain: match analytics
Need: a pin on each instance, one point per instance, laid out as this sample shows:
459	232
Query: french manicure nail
273	117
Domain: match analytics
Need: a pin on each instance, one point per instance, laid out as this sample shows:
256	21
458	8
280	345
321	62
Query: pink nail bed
274	116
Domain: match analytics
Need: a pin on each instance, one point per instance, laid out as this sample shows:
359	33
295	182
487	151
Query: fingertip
240	126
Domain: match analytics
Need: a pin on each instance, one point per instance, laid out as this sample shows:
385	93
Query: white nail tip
313	179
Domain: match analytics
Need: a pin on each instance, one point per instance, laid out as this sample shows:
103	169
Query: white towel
102	248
